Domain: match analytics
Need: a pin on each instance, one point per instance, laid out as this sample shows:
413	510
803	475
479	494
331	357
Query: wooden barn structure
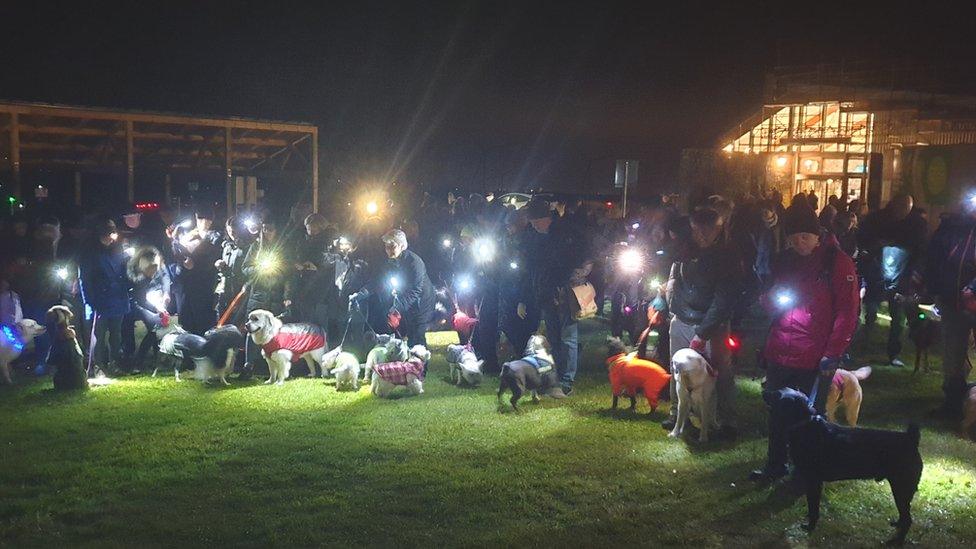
80	138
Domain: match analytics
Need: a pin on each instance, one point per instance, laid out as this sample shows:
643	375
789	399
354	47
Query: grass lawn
149	462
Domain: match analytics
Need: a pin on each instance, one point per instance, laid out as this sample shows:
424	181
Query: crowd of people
510	270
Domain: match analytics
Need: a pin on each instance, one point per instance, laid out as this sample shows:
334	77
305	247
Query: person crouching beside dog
702	291
151	283
814	301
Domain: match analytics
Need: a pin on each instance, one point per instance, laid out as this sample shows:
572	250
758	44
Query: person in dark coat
265	273
311	295
150	297
105	289
197	252
413	294
892	241
702	291
230	270
950	277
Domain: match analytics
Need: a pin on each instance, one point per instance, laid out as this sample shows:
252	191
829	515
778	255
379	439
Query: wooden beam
315	171
15	152
58	111
229	170
130	182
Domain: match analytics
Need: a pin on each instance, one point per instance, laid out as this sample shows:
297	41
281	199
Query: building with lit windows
838	131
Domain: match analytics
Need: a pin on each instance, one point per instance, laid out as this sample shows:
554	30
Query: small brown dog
65	355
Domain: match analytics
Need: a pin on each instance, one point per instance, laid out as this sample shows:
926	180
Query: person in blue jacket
105	290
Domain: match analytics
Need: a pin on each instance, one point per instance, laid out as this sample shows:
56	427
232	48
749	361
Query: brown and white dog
13	339
845	390
694	381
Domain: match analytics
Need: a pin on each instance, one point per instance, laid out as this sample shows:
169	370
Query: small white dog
282	344
387	349
345	368
845	389
464	365
409	373
13	339
695	385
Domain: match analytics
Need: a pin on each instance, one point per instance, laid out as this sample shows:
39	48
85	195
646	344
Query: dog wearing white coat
13	339
283	344
695	384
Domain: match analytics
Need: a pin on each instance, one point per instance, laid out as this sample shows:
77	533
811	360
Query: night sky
475	94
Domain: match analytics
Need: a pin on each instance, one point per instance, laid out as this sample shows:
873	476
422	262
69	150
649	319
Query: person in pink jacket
814	302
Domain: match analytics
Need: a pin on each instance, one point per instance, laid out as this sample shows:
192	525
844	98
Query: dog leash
92	341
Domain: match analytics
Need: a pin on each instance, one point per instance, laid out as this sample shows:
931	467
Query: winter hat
800	218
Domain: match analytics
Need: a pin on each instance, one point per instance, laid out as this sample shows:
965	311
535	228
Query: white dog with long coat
283	344
12	343
344	366
695	383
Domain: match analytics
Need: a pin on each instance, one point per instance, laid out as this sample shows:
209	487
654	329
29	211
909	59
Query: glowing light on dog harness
298	338
12	337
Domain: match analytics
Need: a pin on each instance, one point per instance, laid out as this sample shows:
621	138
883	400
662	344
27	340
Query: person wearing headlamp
950	277
814	302
196	251
105	289
406	277
266	279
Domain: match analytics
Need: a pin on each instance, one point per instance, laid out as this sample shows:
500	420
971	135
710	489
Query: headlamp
114	236
655	283
62	273
635	226
267	264
446	243
344	244
372	207
464	283
187	224
250	224
513	265
630	260
484	250
785	298
394	283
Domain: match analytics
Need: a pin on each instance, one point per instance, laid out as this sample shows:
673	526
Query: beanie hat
396	236
800	218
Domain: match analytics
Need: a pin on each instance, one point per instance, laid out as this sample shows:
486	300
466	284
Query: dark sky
490	93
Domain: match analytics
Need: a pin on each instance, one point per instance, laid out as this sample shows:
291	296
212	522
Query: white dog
13	339
345	368
387	349
409	373
282	344
845	389
694	382
464	365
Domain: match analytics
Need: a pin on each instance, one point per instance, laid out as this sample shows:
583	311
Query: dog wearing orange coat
630	375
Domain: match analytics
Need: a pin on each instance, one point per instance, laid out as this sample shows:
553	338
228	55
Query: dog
464	365
213	354
535	372
283	344
344	366
630	375
924	333
409	373
65	354
386	349
968	427
13	339
823	452
695	386
845	389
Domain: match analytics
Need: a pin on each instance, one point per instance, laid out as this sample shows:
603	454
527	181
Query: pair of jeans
897	312
563	336
719	356
955	364
780	377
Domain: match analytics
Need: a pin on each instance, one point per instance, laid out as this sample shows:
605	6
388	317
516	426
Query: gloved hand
164	319
698	344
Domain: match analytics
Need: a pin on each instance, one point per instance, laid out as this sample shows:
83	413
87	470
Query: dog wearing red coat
630	375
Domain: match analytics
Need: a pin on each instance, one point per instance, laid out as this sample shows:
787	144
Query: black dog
822	451
924	333
535	372
65	354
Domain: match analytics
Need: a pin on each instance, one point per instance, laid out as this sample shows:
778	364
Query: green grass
149	462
